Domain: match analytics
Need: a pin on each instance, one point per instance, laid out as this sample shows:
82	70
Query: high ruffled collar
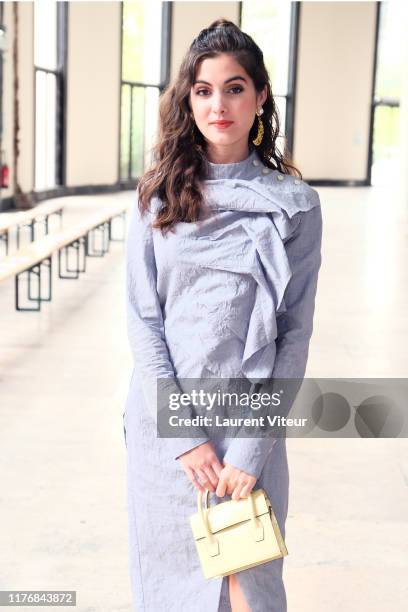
233	170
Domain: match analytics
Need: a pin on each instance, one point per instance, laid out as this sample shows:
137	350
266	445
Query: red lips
222	123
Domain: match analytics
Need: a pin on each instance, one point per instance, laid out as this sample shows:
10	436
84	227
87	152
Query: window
273	25
385	122
145	28
49	68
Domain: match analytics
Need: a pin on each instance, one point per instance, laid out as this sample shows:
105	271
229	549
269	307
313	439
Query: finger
217	467
194	480
243	486
237	490
232	484
212	477
222	486
204	480
246	490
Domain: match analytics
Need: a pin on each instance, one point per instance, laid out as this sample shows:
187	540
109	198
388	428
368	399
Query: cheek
203	109
245	107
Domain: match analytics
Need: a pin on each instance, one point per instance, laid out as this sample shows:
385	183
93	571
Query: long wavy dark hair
179	156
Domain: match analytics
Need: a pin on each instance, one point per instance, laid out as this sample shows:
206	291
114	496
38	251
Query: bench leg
103	230
47	223
46	220
83	241
36	271
122	215
47	263
31	225
4	237
105	237
69	272
34	224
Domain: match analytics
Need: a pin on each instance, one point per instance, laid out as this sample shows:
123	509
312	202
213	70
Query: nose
218	104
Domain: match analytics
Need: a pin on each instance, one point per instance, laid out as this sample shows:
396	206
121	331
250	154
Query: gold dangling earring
257	141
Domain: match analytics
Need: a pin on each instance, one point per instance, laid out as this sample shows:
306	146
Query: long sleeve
295	327
145	325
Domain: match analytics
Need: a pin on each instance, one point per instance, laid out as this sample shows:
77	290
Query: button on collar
255	162
265	171
297	182
280	177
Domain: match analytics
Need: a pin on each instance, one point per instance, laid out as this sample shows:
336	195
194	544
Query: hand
202	462
235	482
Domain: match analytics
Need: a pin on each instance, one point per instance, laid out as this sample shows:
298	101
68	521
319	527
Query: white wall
93	103
333	97
191	17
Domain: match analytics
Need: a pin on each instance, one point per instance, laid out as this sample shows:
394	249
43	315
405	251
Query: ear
261	97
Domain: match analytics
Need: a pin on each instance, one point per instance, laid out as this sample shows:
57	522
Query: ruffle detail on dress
269	265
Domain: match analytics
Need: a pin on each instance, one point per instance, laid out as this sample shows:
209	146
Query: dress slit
224	604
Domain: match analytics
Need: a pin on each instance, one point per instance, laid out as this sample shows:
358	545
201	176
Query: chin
223	139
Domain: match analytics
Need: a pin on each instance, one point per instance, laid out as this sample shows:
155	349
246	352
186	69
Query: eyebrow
234	78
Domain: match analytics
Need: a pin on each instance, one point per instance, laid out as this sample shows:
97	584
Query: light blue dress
231	295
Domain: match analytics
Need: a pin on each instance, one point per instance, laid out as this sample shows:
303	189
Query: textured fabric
230	296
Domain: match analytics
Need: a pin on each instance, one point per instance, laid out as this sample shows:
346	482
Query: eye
199	91
237	87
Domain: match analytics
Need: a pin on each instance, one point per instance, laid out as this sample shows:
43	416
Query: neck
228	154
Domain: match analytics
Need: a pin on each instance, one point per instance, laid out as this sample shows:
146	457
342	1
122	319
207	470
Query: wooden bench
28	218
81	237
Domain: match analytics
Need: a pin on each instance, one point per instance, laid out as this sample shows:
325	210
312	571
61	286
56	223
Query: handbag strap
212	542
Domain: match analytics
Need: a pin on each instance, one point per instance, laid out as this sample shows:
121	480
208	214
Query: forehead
218	69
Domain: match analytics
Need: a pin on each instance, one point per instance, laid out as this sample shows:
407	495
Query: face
224	91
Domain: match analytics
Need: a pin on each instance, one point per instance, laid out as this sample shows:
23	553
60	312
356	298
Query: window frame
376	102
60	74
161	86
290	96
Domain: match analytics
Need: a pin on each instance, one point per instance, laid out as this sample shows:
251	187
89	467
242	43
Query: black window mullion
62	37
292	74
144	131
290	96
370	151
130	133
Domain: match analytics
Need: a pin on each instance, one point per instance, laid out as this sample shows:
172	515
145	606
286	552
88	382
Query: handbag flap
229	513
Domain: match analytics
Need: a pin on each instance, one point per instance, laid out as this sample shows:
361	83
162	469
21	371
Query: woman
222	264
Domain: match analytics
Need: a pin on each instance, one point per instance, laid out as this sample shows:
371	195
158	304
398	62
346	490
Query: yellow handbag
237	534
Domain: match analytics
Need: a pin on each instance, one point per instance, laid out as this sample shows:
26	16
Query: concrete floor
63	379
